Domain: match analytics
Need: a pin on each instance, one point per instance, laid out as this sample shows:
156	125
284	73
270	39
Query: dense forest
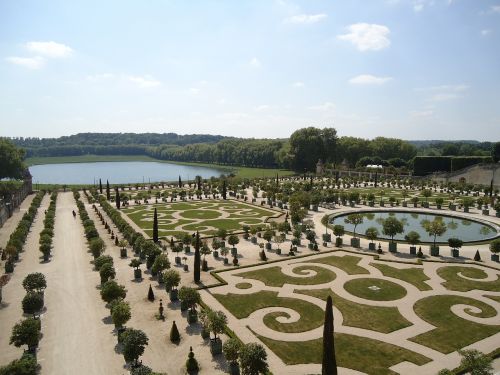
300	152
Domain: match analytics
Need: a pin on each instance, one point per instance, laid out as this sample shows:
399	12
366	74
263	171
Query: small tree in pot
233	240
325	220
26	332
435	228
190	297
391	227
135	264
120	314
455	245
231	350
338	231
205	250
216	322
495	249
32	303
355	220
123	248
172	278
413	238
372	234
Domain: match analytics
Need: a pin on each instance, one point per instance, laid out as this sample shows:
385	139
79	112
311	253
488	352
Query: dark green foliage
111	290
175	337
134	342
106	272
224	190
477	257
495	152
329	365
100	186
155	226
151	295
102	260
308	145
26	332
108	192
26	365
35	282
191	363
117	198
11	160
253	359
32	303
197	259
423	165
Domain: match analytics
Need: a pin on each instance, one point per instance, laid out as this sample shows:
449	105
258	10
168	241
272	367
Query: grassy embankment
243	172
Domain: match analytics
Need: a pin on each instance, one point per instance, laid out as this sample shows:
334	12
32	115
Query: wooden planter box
355	242
486	212
173	295
338	241
434	251
495	257
268	245
455	253
371	246
138	274
123	253
216	346
413	250
327	237
393	247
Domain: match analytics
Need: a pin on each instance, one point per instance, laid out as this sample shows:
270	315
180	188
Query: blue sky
413	69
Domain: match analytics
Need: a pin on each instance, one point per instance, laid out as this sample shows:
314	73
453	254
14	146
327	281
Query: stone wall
8	206
476	174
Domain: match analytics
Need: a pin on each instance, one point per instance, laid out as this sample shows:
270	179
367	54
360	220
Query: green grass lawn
274	277
203	216
451	332
457	283
242	305
415	276
383	290
354	352
346	263
376	318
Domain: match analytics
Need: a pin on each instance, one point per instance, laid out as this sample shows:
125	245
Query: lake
118	172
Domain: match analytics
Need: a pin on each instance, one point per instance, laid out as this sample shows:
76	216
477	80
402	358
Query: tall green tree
108	192
155	226
197	259
100	186
11	160
329	365
117	198
308	145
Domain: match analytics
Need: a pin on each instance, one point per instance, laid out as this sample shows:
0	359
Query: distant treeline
300	152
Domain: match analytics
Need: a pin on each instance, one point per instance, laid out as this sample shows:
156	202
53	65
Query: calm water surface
466	230
117	172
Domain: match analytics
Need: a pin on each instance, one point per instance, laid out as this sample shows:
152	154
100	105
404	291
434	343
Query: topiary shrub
191	363
175	337
151	295
477	257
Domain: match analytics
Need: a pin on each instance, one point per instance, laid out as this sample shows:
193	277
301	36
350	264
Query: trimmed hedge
423	165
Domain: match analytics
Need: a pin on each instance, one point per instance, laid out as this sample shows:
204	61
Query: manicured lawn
457	283
346	263
241	306
451	332
243	285
415	276
375	289
494	298
376	318
354	352
205	216
274	277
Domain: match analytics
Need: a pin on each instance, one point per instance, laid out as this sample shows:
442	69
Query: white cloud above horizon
367	37
33	63
306	18
368	79
49	49
144	81
255	63
327	106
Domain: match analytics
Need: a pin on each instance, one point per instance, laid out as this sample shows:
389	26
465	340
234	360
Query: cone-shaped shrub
175	337
151	295
477	257
329	366
191	363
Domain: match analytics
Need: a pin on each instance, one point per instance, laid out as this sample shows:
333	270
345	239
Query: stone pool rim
451	214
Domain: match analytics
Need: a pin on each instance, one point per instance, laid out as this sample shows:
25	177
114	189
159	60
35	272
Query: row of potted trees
47	234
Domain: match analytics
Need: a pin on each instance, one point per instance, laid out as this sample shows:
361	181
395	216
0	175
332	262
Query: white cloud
298	84
262	107
367	37
49	49
100	77
327	106
485	32
367	79
194	90
255	63
306	18
495	8
444	96
36	62
144	81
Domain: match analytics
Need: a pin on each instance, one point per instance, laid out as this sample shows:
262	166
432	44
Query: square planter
498	214
351	204
173	295
495	257
393	247
216	346
338	241
452	207
178	260
455	253
486	212
466	209
371	246
268	245
215	253
192	316
310	246
278	251
187	249
371	203
123	253
234	368
327	237
253	240
405	204
184	306
355	242
137	274
434	250
413	250
234	251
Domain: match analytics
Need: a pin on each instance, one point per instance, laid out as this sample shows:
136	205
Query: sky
411	69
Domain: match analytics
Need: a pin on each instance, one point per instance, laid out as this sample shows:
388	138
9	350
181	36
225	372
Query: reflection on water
466	230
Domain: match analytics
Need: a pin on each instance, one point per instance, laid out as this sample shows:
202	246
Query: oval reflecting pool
467	230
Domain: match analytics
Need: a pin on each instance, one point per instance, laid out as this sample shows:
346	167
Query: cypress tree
100	186
174	334
376	179
151	295
224	190
197	258
155	227
277	180
180	181
108	192
329	366
117	194
199	183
